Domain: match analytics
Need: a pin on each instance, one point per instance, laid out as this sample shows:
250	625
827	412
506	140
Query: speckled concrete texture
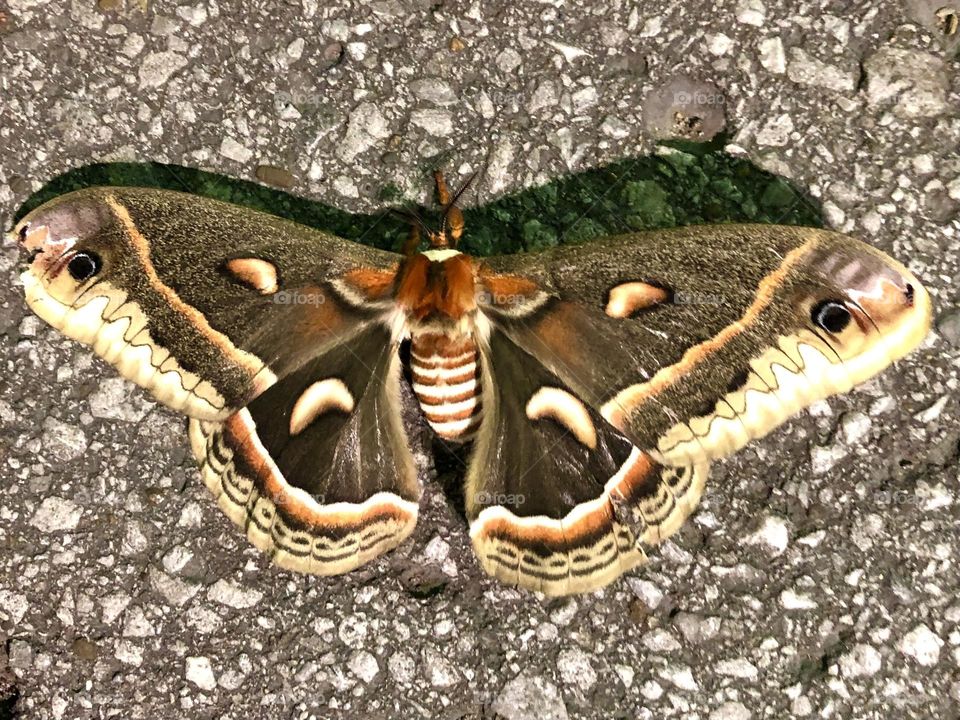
819	578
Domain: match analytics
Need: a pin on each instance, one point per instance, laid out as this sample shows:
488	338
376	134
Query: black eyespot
908	294
831	315
84	265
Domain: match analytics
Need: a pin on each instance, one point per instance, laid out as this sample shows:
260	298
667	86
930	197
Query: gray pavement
819	578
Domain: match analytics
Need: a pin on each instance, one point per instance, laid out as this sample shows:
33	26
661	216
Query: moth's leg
453	216
443	193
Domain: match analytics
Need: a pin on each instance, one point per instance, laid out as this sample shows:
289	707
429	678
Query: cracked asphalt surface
818	579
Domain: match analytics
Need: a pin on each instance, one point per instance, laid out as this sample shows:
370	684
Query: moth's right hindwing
559	501
202	303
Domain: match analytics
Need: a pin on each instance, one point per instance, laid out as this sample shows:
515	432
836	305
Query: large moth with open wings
595	383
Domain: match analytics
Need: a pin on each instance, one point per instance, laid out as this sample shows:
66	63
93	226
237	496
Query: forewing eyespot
830	315
84	265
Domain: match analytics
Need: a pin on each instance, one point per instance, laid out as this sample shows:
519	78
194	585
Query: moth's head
867	308
67	245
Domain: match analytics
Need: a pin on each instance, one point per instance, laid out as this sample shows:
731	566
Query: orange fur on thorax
446	288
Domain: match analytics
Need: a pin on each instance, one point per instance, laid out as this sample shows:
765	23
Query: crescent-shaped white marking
322	396
566	410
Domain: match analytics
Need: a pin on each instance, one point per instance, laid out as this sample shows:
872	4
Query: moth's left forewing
202	303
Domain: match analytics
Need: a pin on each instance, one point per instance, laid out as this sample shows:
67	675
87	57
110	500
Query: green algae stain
683	184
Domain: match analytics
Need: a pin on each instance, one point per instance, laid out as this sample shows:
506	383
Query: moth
592	385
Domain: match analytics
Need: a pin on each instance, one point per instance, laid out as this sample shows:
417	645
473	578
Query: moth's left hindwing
317	469
272	337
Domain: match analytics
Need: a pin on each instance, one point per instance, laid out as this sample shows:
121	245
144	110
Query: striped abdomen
446	380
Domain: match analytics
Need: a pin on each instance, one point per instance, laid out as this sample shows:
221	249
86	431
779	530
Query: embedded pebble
137	625
545	96
660	641
576	669
56	514
13	606
116	399
739	668
176	591
233	595
792	600
772	56
731	711
440	672
402	668
923	645
530	696
200	672
366	126
681	677
697	629
364	665
949	327
158	67
823	459
646	591
434	90
772	534
805	69
751	12
508	60
776	131
860	661
914	83
435	122
64	442
233	150
855	426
